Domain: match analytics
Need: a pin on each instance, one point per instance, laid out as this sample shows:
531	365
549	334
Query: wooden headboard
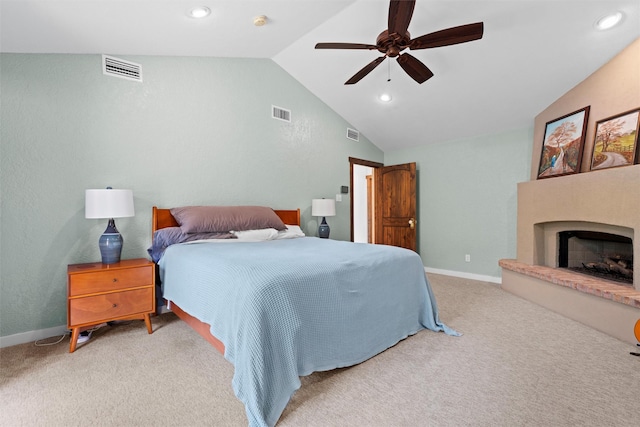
162	218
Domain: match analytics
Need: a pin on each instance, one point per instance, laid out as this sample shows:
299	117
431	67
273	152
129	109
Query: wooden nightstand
98	293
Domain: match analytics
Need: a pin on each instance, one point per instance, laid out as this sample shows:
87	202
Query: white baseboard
30	336
479	277
40	334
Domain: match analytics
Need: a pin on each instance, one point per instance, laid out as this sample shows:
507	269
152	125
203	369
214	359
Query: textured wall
196	131
467	199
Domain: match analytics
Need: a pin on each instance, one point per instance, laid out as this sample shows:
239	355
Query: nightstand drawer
109	280
110	306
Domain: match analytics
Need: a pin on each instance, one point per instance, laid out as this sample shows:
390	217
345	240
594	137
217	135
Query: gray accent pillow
166	237
221	219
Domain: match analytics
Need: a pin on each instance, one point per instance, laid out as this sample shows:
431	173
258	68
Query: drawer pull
115	279
115	305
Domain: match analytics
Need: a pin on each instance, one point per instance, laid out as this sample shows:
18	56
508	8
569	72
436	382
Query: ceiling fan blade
400	12
416	69
454	35
366	70
345	46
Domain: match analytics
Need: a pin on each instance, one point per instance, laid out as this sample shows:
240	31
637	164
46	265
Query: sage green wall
467	199
196	131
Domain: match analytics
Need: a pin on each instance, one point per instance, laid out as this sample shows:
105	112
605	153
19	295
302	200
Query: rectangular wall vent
353	134
117	67
281	113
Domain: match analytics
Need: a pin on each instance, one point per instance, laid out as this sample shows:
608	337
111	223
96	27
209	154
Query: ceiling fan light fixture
609	21
199	12
385	97
396	38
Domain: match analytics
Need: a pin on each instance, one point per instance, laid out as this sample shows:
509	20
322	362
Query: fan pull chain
388	71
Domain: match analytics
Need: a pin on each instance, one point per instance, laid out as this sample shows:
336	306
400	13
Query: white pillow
257	235
291	232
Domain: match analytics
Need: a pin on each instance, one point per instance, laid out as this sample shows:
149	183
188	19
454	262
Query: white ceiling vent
280	113
353	134
117	67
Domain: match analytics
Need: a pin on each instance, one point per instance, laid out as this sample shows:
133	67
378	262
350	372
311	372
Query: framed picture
563	144
616	141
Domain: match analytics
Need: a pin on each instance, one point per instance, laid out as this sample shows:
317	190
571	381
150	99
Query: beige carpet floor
517	364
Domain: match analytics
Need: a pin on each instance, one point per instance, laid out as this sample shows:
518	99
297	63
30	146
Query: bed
282	308
162	218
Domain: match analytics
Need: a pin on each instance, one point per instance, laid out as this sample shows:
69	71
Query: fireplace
603	255
586	247
593	202
585	205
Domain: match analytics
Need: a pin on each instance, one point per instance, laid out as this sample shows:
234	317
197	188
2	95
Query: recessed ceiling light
199	12
385	97
609	21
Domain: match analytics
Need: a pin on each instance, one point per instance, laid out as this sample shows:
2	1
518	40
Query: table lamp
109	203
323	208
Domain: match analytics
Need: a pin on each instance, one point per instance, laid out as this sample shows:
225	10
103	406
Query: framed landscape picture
563	144
616	141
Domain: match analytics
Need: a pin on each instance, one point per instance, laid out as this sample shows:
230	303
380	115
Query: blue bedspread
287	308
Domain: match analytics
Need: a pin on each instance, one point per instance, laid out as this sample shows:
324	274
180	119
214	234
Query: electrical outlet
338	197
467	258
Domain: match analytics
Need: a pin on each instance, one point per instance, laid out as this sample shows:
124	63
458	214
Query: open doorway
362	204
362	200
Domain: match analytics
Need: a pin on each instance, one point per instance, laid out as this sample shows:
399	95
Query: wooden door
395	205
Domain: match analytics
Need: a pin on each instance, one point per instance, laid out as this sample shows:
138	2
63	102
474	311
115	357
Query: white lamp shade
323	207
108	203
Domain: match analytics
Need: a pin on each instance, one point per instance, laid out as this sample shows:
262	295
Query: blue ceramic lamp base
110	244
323	229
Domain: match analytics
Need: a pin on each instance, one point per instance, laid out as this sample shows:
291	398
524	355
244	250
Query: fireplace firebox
603	255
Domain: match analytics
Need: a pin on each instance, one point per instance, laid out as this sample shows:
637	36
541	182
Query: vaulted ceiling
532	52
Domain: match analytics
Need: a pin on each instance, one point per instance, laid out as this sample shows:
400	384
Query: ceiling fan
396	38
